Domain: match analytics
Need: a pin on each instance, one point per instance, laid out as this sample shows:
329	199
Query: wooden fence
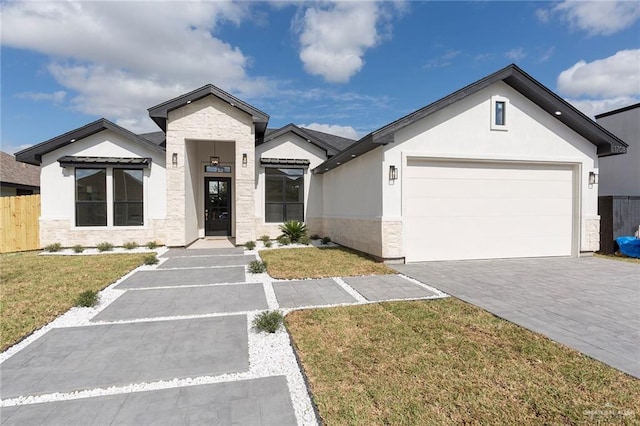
19	228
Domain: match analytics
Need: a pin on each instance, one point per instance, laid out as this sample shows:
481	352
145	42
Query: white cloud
55	97
333	129
444	60
516	54
595	17
547	54
119	58
335	36
593	107
614	76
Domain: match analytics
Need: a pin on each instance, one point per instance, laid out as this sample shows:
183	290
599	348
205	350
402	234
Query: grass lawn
448	362
315	262
34	289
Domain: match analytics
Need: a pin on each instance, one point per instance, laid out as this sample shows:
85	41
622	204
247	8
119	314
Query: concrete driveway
589	304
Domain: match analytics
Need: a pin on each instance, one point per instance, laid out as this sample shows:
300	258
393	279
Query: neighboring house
497	169
18	178
620	175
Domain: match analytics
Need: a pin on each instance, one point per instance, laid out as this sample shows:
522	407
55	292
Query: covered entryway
456	210
217	206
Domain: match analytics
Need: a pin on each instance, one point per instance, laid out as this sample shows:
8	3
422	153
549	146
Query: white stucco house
498	169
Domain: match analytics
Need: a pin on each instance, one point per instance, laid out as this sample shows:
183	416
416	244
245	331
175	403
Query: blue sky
346	68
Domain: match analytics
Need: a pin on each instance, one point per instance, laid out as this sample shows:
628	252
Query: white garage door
476	210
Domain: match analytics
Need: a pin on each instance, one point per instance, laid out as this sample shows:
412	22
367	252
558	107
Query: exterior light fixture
72	140
353	156
393	173
593	178
214	160
174	159
188	102
244	159
558	113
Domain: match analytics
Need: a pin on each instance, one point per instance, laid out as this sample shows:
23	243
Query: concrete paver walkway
206	261
297	294
589	304
387	287
178	277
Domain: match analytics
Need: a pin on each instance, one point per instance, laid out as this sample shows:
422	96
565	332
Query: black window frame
286	215
116	203
80	204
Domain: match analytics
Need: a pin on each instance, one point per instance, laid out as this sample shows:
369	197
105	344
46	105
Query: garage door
477	210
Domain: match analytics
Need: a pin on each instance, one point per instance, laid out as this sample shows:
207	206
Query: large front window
91	197
127	197
284	194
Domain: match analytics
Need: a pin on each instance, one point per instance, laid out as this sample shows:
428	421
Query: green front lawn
312	262
34	289
448	362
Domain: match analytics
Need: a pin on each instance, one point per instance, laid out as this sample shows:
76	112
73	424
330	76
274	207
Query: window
91	197
217	169
500	113
284	194
127	197
499	106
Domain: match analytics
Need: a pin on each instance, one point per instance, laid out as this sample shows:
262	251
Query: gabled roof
158	138
606	142
304	134
17	173
339	142
618	111
160	112
33	155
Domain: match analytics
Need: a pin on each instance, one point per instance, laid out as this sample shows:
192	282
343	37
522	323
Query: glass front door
217	206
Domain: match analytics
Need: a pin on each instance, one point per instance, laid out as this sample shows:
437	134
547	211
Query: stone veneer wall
591	240
210	119
61	231
382	239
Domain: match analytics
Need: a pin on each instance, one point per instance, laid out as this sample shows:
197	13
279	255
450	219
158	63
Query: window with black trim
127	197
91	197
284	194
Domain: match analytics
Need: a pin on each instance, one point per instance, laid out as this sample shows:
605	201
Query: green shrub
150	259
87	299
130	245
78	248
250	245
315	237
104	247
325	240
152	245
268	321
264	238
53	248
283	240
305	240
268	244
257	267
294	229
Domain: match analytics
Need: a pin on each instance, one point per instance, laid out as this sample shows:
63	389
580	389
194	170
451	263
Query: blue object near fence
629	246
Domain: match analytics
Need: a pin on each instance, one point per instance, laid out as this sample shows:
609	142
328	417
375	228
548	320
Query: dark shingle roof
338	142
158	138
331	143
12	171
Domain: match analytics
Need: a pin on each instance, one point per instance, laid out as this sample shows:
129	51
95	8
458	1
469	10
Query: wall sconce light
244	159
393	173
214	161
174	159
593	178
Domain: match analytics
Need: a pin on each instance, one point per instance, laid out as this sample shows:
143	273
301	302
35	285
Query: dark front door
217	206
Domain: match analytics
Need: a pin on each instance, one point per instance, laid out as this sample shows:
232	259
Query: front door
217	206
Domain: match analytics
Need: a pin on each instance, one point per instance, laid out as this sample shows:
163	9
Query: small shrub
53	248
283	240
294	229
325	240
315	237
269	321
257	267
250	245
104	247
152	245
264	238
87	299
305	240
150	259
78	248
268	244
130	245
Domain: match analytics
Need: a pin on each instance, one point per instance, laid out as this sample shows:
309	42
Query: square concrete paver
166	302
178	277
182	252
206	261
295	294
262	401
386	287
70	359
